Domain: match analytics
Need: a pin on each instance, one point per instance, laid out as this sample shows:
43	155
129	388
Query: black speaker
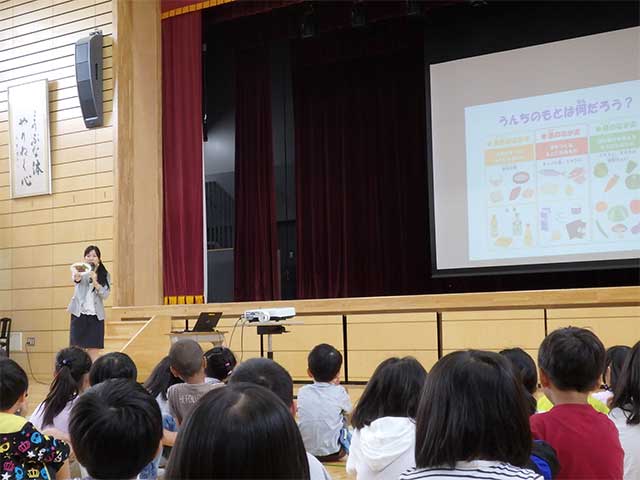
89	78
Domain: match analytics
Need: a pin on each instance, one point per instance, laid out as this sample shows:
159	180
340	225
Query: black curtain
361	176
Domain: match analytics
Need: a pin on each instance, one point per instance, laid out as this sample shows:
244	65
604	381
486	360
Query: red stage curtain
182	158
256	240
361	176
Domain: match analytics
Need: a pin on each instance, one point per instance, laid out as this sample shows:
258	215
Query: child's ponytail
72	364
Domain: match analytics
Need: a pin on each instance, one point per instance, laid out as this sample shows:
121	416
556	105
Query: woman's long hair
239	431
627	393
72	364
101	271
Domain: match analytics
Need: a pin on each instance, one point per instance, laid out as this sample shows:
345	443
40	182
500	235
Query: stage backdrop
360	163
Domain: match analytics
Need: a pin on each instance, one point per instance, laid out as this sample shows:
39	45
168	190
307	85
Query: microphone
93	268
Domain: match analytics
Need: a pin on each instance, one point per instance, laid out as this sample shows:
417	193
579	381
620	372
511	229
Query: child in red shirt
571	361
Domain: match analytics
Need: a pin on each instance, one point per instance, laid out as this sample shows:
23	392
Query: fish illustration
548	172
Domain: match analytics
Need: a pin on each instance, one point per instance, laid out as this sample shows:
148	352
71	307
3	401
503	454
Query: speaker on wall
89	78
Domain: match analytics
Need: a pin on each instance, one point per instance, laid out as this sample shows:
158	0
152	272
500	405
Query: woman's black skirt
86	331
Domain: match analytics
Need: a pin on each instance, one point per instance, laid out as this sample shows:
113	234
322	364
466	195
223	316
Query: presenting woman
92	287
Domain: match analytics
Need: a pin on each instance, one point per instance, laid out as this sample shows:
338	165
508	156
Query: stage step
114	343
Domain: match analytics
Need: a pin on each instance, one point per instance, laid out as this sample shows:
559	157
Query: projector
266	314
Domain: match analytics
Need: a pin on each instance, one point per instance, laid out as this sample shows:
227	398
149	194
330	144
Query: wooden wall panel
375	337
493	330
614	326
41	236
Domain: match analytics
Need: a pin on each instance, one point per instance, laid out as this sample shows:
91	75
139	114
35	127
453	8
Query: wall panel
614	326
374	337
41	236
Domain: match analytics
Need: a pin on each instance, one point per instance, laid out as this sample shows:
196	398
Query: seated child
625	412
614	360
187	363
543	458
157	385
274	377
571	361
242	431
25	453
323	406
112	365
472	421
70	380
115	429
220	363
384	439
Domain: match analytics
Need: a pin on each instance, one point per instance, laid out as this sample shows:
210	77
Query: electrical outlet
16	342
31	341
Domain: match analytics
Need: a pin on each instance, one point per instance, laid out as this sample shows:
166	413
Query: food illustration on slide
555	174
576	229
564	185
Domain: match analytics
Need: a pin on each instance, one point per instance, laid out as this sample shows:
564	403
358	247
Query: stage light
414	8
358	15
308	27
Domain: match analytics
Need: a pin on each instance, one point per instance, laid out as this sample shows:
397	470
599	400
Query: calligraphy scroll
30	159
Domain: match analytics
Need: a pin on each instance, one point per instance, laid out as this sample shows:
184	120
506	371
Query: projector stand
269	330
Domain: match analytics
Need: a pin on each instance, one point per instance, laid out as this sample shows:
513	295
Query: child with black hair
571	362
472	421
187	362
70	380
383	442
527	371
112	365
24	451
614	360
543	458
158	383
323	406
115	429
274	377
625	412
220	363
239	431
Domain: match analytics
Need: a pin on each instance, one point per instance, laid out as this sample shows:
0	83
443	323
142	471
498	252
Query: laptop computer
207	322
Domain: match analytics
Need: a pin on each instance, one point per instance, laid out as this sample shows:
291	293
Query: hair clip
64	363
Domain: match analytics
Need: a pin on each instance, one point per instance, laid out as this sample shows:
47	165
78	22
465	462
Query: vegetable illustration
514	193
619	228
633	181
601	229
634	205
601	206
601	170
611	183
619	213
631	166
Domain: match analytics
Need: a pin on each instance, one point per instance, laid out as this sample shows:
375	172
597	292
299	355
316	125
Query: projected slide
555	174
